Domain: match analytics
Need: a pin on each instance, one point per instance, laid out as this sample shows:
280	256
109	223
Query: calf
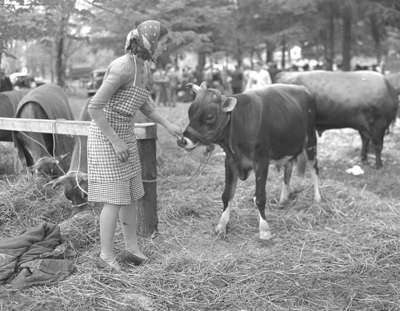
75	182
255	128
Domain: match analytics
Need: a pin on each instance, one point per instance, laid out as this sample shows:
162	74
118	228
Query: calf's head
49	166
208	117
75	185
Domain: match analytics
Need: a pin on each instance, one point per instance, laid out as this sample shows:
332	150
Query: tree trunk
239	53
347	36
60	66
270	48
376	35
331	42
1	38
201	60
1	50
60	51
252	58
283	52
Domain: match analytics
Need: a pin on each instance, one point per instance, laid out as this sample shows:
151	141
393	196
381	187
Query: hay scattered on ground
341	254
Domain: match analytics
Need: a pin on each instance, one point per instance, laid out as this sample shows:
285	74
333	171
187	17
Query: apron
104	167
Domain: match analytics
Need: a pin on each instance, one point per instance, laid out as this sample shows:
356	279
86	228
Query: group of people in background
169	83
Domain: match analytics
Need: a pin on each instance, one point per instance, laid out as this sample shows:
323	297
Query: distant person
5	82
226	81
237	80
173	81
187	77
216	80
258	78
198	75
160	82
114	170
273	70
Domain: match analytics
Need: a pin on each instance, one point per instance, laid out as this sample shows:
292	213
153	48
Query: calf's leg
364	147
231	178
287	174
378	134
261	172
311	152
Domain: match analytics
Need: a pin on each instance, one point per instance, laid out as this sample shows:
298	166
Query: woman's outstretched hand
174	130
121	149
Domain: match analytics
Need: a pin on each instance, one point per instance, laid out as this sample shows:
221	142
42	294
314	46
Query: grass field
340	254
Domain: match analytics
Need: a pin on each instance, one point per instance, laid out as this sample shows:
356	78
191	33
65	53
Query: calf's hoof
283	202
317	199
265	235
220	231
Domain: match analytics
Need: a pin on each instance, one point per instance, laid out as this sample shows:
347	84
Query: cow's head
49	166
75	186
209	114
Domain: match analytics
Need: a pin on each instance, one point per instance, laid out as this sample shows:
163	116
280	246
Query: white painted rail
66	127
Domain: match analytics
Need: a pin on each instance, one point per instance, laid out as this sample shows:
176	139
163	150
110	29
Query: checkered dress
110	180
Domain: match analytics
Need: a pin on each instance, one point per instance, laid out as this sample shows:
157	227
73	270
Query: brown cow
362	100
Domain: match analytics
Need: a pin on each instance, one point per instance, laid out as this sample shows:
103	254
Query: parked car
96	78
24	80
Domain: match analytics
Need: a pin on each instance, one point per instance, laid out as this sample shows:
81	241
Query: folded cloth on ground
18	253
43	272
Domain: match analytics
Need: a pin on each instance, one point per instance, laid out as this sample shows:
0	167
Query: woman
113	162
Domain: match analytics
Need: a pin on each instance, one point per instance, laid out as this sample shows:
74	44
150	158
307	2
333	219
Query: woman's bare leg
108	221
128	219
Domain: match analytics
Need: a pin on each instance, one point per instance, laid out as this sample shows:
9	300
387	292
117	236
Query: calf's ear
228	104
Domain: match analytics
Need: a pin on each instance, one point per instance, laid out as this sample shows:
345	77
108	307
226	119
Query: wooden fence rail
146	134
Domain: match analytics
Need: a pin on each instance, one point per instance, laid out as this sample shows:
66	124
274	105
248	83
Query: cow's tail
394	92
301	164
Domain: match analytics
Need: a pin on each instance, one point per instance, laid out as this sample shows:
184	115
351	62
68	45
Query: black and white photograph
199	155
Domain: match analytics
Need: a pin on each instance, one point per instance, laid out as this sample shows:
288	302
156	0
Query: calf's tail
301	163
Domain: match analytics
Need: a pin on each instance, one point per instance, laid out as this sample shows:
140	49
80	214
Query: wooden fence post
147	209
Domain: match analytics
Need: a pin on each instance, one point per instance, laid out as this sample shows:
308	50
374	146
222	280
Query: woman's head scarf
147	34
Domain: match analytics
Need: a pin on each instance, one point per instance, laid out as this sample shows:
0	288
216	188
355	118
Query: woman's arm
149	111
113	81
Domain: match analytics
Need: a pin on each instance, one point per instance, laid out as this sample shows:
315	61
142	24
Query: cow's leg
313	163
231	178
364	146
261	172
287	174
377	139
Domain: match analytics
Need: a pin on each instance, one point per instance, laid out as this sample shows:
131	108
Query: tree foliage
330	30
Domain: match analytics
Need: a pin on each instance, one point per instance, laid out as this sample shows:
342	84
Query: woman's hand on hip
121	149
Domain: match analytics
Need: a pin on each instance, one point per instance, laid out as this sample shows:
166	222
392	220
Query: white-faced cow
255	128
362	100
47	101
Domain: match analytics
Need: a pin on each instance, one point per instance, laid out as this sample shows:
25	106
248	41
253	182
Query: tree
17	22
190	23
